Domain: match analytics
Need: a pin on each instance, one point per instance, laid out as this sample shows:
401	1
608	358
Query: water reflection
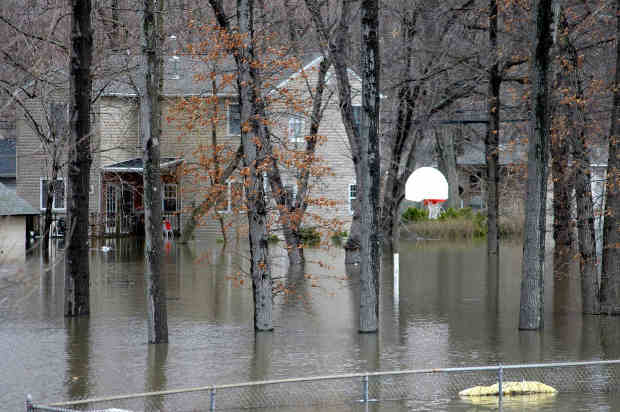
157	356
77	348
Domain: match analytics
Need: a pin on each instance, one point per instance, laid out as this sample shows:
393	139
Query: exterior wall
116	138
13	239
31	160
333	154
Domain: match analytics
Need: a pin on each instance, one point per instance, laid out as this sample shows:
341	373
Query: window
58	202
173	68
170	198
234	119
352	195
296	129
357	118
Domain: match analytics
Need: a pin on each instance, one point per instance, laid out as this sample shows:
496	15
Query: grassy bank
457	224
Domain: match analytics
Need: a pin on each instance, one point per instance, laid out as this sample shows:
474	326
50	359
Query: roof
13	205
181	73
136	165
7	157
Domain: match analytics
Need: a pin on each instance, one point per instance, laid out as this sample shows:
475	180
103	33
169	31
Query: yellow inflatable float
509	388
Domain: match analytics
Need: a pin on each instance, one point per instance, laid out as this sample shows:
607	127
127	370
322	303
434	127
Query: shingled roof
13	205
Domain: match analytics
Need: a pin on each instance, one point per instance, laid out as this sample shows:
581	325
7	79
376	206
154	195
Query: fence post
212	399
29	406
500	384
365	389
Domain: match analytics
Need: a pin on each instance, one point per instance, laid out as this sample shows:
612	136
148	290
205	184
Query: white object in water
105	249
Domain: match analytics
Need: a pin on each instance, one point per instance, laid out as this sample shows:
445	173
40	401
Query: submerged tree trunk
610	279
47	225
150	106
532	282
576	124
260	268
77	275
585	228
491	142
370	239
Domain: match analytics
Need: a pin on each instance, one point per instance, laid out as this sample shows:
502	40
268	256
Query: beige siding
116	139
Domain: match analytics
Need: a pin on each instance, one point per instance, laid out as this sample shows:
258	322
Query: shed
14	215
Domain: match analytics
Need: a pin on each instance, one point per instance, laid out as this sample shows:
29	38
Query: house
16	217
116	175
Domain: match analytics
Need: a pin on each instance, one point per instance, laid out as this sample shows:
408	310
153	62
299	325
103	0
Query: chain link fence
428	385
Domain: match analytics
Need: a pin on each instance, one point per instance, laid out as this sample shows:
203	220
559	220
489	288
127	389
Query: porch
121	197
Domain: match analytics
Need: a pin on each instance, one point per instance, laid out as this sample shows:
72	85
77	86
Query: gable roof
181	73
13	205
7	157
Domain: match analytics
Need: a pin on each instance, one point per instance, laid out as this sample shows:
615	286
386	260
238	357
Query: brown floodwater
449	311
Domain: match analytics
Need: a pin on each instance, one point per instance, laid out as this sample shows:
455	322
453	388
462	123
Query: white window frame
164	198
42	202
351	198
292	122
228	111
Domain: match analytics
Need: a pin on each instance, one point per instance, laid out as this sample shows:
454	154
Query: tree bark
260	267
150	106
491	141
585	228
77	276
610	279
562	190
370	239
532	282
583	190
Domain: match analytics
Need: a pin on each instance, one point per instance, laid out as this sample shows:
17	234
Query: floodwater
448	311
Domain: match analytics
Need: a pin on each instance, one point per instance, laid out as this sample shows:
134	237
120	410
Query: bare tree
77	272
150	108
610	278
532	281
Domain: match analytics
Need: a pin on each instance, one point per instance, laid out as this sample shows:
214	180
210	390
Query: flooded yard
448	311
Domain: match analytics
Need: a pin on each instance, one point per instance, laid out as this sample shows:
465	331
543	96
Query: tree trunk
370	239
47	226
563	176
583	190
260	268
491	142
585	228
77	276
532	282
562	193
610	279
150	106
